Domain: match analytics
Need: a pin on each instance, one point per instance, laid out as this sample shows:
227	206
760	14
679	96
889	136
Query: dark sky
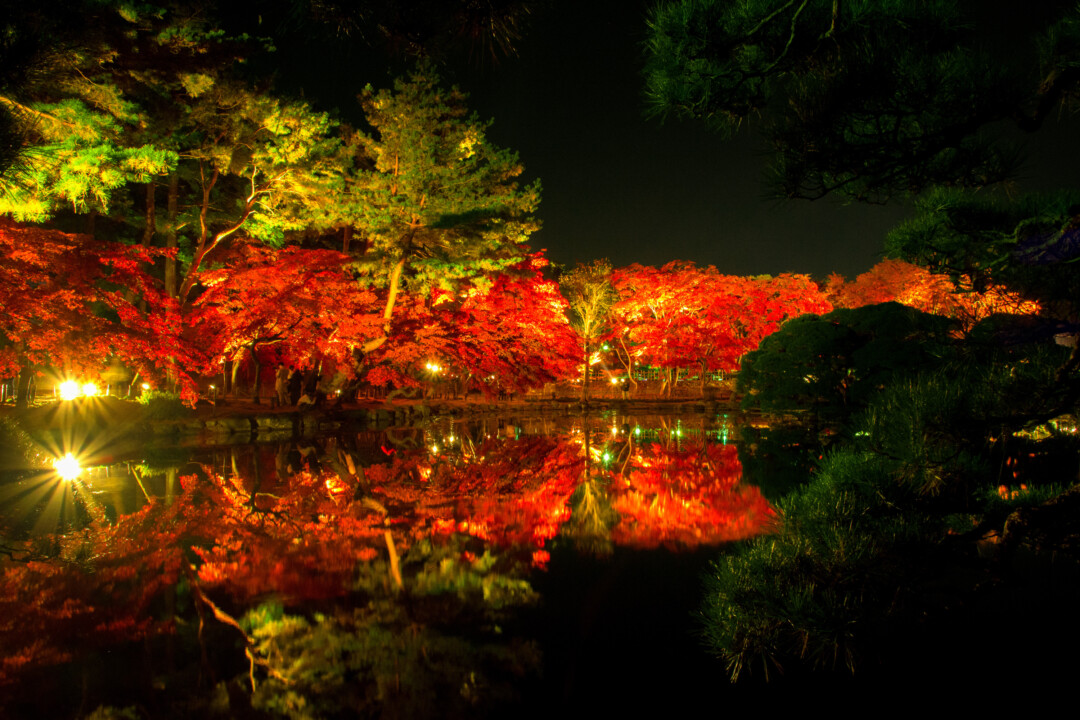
619	186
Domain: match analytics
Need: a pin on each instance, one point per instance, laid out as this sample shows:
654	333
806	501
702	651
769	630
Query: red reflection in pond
423	523
685	497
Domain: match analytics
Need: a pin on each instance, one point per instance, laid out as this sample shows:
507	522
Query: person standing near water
281	384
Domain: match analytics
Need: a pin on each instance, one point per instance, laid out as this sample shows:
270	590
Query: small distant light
90	389
614	381
69	390
67	467
213	387
434	448
146	386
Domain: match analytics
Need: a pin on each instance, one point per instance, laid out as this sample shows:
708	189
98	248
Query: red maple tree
681	315
72	304
917	287
508	332
302	302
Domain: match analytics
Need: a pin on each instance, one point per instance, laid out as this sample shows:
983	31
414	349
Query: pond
459	568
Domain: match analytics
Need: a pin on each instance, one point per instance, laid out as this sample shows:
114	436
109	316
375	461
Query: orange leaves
300	299
687	497
510	332
681	315
61	296
914	286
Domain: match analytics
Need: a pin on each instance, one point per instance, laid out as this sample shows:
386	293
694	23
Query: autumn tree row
219	222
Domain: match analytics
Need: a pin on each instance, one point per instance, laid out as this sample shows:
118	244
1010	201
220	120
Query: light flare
67	467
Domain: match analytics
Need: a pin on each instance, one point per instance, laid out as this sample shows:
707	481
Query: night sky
631	189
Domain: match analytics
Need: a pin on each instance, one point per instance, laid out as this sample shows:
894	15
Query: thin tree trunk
346	239
151	219
585	380
172	282
258	368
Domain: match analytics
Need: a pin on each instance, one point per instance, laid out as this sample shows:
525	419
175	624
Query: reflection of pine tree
591	518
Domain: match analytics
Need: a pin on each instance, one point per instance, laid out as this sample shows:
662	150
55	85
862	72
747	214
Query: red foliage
911	285
303	301
96	593
306	535
681	315
509	331
685	497
509	493
73	303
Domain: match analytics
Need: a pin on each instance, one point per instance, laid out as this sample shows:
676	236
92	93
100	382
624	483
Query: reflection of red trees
97	592
302	542
510	493
685	498
309	537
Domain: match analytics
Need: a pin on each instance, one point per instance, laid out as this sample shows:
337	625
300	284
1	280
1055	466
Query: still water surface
464	568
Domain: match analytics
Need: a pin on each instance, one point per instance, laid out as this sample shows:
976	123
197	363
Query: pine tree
434	201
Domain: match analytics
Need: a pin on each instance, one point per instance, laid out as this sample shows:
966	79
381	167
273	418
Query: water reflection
362	571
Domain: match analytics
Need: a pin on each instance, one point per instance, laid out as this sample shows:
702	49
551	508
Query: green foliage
832	579
1028	243
835	363
879	542
934	426
592	518
17	449
781	456
863	97
374	662
430	188
589	295
164	405
448	572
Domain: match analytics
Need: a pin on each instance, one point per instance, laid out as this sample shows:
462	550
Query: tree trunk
151	219
388	311
585	380
258	368
702	379
236	371
346	239
629	366
22	390
172	284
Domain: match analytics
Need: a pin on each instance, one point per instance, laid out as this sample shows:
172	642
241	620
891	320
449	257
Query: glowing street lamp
67	467
69	390
90	390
